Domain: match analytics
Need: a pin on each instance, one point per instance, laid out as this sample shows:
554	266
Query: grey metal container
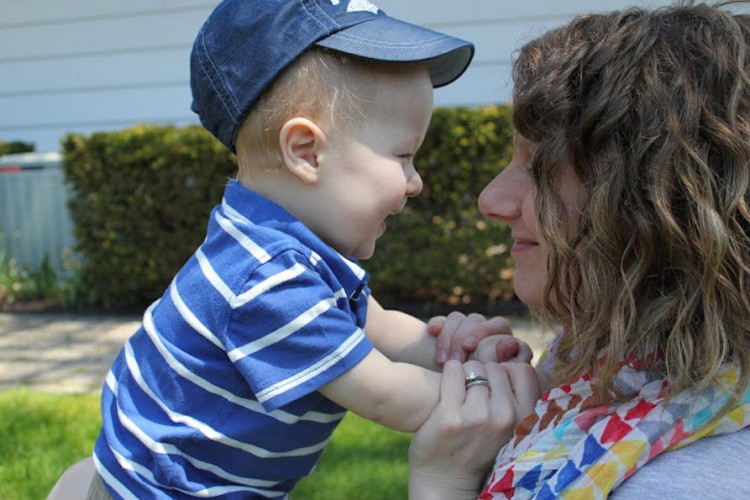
34	217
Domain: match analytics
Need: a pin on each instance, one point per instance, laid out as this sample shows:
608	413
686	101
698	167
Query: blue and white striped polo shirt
216	394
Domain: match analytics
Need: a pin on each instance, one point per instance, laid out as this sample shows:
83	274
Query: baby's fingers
484	328
449	329
513	350
435	325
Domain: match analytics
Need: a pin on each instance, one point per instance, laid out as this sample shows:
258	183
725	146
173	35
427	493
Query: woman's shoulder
718	466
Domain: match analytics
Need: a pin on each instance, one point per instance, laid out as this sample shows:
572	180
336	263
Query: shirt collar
243	204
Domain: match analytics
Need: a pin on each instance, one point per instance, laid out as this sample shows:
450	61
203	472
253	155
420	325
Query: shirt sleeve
711	467
292	331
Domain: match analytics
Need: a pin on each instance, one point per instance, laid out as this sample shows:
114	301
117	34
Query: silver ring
473	378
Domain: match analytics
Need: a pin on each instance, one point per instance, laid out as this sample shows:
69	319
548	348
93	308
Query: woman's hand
455	448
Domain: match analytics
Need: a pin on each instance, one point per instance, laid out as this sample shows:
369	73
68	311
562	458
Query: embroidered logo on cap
358	6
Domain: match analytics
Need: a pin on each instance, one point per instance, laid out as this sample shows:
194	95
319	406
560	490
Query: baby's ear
300	140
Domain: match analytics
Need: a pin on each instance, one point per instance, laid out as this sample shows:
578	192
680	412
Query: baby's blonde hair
327	87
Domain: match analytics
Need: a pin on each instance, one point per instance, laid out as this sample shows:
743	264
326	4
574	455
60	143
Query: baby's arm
397	395
402	337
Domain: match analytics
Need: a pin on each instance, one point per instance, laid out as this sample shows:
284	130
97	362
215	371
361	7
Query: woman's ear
300	140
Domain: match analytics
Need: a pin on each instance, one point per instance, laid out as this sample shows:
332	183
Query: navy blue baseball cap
245	44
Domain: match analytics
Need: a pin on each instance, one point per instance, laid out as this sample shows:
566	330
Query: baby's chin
359	253
364	253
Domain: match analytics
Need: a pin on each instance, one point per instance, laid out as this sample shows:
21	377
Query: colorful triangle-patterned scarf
572	447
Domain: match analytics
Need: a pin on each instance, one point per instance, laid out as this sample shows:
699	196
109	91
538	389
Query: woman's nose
500	199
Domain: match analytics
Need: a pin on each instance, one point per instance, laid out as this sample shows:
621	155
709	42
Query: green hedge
14	147
140	203
142	196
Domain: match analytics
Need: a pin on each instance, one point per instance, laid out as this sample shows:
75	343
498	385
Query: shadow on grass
363	461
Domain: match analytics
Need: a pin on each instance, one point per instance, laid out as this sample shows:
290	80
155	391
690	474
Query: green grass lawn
43	434
40	436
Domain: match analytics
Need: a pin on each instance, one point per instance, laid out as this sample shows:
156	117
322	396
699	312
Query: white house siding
87	65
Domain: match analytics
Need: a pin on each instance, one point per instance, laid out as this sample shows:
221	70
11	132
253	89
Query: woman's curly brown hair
652	110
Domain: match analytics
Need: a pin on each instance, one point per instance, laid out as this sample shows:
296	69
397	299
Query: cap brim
383	38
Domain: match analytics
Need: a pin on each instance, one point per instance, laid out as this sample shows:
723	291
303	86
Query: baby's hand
458	334
502	348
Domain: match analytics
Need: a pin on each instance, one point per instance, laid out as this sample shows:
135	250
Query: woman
628	197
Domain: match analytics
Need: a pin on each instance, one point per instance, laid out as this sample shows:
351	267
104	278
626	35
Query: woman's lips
523	246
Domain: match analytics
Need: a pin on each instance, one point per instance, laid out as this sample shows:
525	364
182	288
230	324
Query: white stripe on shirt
267	284
249	404
112	481
170	449
236	301
312	371
283	332
202	427
314	258
190	318
213	277
146	473
355	268
255	250
233	213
